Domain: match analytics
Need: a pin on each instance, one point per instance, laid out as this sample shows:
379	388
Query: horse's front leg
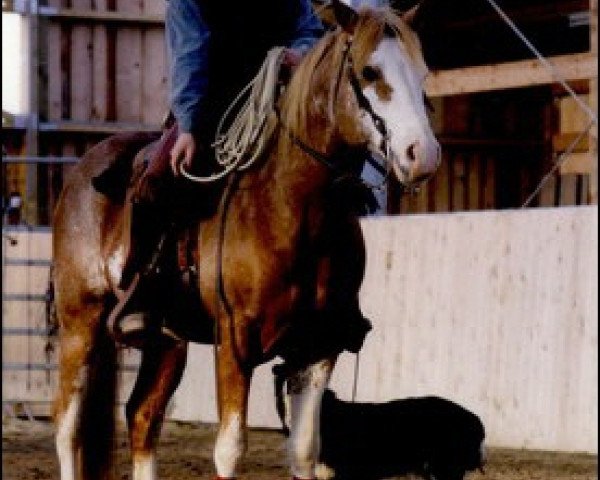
233	384
159	375
305	391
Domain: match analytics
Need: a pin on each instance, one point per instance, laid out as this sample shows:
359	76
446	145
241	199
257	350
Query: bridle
347	63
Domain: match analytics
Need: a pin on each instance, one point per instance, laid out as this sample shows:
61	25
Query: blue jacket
215	47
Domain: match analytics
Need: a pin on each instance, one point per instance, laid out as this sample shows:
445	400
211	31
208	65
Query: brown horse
280	262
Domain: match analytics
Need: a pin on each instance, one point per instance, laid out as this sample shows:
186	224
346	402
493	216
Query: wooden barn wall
497	147
101	71
494	310
29	356
101	75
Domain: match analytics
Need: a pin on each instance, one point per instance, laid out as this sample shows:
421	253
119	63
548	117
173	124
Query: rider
214	49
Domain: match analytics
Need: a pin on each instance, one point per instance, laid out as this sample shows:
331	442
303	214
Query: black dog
429	436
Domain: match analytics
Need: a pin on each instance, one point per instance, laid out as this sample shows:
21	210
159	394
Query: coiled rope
245	140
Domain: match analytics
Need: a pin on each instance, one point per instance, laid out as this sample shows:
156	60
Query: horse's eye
370	74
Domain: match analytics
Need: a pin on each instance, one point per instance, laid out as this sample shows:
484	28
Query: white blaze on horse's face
413	149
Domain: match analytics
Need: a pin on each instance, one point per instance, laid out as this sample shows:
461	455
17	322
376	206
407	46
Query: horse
280	262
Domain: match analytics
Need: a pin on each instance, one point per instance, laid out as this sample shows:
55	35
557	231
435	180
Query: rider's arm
188	38
306	27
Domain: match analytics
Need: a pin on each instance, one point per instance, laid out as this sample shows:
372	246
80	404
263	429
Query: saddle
143	175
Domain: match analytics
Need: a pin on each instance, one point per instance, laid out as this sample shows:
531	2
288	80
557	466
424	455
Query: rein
364	104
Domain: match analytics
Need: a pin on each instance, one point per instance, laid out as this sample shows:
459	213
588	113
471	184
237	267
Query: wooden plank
568	189
129	67
572	119
27	349
30	280
68	150
547	195
154	80
81	68
99	67
577	163
488	193
99	16
441	187
584	198
98	127
53	53
562	141
35	244
458	180
15	314
473	180
29	386
593	138
509	75
529	297
155	8
421	199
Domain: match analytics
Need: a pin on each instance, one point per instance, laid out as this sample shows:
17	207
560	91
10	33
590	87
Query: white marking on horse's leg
230	446
306	391
65	438
144	466
324	472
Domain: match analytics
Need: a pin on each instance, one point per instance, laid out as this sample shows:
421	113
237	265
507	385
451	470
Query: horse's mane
314	76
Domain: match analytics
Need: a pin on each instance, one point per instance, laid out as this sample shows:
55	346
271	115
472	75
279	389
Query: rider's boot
136	316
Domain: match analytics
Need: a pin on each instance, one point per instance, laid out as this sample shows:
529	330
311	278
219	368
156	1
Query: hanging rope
559	161
245	140
559	78
553	70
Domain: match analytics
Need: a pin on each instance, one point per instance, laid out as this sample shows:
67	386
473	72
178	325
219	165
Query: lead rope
246	138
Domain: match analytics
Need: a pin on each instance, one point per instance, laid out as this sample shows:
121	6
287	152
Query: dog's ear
345	16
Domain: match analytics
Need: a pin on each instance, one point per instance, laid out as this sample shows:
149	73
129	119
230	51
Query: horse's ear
411	15
415	15
345	16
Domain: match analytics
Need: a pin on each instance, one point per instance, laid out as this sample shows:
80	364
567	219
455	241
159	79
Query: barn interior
92	68
501	118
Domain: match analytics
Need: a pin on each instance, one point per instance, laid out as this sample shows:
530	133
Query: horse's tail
97	415
51	317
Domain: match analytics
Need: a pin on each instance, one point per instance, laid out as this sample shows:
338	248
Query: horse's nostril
411	152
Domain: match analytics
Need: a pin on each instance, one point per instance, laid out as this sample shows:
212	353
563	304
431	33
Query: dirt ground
185	452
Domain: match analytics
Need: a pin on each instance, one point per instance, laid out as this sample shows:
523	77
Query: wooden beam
522	15
593	138
562	141
578	164
97	127
501	76
104	16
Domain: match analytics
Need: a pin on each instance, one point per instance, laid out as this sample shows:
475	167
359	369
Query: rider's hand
183	152
291	58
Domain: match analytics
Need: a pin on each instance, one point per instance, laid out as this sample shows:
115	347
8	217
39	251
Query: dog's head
458	446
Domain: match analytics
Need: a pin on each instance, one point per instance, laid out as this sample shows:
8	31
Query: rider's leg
151	223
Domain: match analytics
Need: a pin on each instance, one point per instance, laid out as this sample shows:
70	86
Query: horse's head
372	87
387	71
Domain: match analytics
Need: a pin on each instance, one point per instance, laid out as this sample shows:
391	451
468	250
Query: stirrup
127	329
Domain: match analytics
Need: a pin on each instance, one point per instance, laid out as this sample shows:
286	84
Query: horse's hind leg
85	401
305	391
72	374
159	375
